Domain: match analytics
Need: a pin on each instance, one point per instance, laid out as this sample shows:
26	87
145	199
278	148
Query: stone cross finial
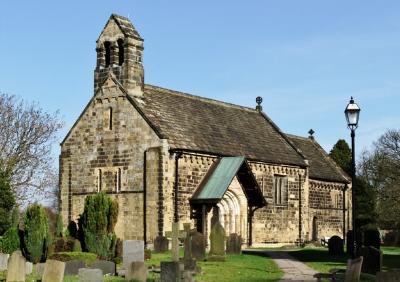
259	101
311	132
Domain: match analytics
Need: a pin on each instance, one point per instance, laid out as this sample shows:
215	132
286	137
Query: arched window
99	180
107	47
120	52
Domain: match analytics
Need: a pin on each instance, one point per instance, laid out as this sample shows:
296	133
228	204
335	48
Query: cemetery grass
320	260
236	268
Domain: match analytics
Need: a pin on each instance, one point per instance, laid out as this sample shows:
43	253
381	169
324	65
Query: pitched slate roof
322	167
126	26
205	125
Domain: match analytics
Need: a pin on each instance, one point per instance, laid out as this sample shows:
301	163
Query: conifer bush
97	224
36	234
10	241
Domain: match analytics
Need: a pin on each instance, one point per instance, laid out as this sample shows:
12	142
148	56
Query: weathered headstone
188	261
72	267
372	262
90	275
28	267
3	261
16	267
198	245
335	246
53	271
217	240
137	271
175	242
170	271
161	244
234	244
108	267
133	250
39	268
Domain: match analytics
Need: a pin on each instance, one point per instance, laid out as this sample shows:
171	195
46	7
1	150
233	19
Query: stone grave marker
217	240
170	271
372	262
72	267
137	271
28	267
108	267
39	268
175	242
53	271
16	267
90	275
188	261
198	245
161	244
133	250
335	246
234	244
3	261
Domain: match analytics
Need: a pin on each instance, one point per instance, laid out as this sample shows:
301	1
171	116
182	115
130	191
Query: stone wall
105	152
278	223
326	209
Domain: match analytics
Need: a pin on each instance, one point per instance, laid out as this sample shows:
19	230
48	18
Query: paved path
293	269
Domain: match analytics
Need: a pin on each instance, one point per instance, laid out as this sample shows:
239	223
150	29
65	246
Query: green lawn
236	268
319	258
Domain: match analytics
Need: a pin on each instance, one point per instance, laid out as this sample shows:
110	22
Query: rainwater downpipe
145	197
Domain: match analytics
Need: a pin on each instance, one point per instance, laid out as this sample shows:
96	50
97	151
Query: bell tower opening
119	51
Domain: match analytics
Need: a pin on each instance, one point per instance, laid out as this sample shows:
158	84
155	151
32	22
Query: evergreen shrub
372	237
36	237
10	241
97	224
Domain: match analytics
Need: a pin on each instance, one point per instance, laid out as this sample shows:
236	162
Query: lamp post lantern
352	113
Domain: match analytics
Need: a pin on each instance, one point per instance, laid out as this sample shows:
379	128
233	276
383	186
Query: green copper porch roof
221	178
217	180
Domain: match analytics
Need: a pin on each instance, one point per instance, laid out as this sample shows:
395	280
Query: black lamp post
352	113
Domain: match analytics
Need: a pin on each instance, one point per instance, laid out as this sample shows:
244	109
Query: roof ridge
297	136
205	99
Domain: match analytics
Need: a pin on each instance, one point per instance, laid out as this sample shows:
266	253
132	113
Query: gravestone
72	267
175	242
188	261
16	267
335	246
39	268
3	261
198	245
372	262
160	244
188	276
137	271
234	244
133	250
28	267
53	271
107	267
217	239
90	275
170	271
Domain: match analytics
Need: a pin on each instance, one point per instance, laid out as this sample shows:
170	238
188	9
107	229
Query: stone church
170	156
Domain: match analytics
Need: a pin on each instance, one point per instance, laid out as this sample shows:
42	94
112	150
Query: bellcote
119	50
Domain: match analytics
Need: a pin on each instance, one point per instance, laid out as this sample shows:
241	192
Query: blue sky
305	58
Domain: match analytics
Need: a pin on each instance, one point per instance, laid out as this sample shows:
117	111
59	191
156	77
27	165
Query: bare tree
381	168
27	133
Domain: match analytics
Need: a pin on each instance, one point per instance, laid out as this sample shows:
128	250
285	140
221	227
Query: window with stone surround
118	180
99	180
280	190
